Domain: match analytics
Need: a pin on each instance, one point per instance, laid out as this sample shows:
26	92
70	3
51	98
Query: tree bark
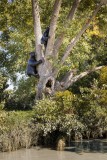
37	26
46	80
37	32
53	23
39	53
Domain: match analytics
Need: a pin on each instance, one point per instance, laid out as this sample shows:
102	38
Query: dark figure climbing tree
47	71
32	65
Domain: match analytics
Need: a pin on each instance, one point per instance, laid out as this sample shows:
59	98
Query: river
85	150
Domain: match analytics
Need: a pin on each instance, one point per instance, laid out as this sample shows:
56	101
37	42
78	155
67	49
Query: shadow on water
95	145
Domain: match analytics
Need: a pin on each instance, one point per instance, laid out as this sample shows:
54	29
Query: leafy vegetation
79	112
78	116
15	130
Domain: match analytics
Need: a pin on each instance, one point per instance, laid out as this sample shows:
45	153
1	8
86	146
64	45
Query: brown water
82	150
47	154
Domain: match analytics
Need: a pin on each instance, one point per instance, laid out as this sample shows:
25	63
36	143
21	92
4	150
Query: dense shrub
22	97
91	107
16	130
57	115
3	86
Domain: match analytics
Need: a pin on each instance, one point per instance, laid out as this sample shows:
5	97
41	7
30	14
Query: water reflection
95	145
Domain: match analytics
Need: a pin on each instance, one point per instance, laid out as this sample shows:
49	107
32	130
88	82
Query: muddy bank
48	154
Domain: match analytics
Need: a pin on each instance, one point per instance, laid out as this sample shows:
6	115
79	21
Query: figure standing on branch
45	36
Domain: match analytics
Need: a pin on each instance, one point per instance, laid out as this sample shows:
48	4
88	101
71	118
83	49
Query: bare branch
53	23
73	10
70	80
37	27
75	40
70	17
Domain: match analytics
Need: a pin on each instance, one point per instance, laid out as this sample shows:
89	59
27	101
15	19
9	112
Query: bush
91	108
16	130
57	115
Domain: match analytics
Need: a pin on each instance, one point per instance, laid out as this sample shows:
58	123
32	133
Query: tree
3	86
50	69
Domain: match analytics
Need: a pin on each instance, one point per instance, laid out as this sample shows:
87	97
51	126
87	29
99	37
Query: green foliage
103	76
23	97
16	34
3	86
3	81
54	114
83	113
91	106
65	101
17	37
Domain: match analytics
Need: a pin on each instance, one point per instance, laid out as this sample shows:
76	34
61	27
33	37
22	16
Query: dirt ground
48	154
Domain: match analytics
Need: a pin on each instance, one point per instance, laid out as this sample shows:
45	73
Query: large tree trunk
46	80
47	83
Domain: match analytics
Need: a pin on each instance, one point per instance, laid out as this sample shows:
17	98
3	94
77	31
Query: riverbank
48	154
